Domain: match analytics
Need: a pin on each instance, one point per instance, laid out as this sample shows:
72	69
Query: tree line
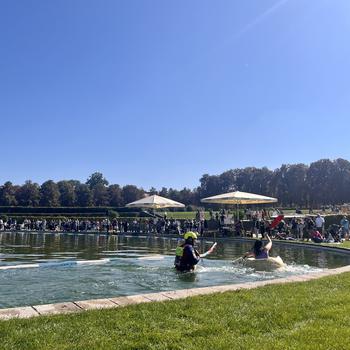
324	182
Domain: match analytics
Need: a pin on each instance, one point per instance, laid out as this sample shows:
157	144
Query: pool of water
139	265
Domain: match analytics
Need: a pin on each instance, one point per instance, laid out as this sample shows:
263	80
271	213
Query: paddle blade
276	221
209	251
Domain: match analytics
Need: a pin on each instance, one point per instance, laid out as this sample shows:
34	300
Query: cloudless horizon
158	93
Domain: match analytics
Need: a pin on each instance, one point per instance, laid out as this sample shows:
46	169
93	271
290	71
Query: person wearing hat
187	256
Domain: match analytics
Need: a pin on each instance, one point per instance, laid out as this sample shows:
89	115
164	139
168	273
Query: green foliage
8	194
184	215
28	194
4	218
131	193
115	196
152	191
96	179
67	193
324	182
83	196
333	219
113	214
100	195
49	194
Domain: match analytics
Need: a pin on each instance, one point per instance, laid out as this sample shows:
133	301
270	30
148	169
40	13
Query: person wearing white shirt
319	223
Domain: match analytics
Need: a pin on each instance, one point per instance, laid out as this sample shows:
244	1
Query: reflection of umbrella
238	197
155	202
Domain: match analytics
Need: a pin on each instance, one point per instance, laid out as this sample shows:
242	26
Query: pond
138	265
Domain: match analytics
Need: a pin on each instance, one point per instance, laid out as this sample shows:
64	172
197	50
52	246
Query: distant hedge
65	211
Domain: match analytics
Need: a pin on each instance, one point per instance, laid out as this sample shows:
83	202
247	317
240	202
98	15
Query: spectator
344	224
319	223
316	237
300	229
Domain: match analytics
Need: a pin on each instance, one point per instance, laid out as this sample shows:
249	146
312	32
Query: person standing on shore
319	224
344	224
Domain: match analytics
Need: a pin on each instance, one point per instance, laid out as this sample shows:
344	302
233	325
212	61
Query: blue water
139	265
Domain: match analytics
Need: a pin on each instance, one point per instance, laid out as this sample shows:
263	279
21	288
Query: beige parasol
238	197
155	202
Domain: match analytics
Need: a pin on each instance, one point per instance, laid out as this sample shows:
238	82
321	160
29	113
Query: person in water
187	256
259	251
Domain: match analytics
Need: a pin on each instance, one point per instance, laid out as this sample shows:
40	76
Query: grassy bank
312	315
185	215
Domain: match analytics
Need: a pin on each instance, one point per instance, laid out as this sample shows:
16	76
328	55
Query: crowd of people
135	226
305	228
259	225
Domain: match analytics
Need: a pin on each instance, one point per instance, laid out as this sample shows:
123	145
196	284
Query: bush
4	218
113	214
333	219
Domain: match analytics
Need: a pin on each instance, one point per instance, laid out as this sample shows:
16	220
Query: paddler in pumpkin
187	256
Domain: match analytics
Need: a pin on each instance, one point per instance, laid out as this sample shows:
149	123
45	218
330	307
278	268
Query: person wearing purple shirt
259	251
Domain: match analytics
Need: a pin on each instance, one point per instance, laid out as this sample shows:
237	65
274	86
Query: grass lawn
345	244
184	214
311	315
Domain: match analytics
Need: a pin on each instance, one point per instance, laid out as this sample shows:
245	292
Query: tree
115	196
209	185
296	181
131	193
100	195
96	179
83	195
321	183
28	194
174	194
186	196
164	192
67	192
8	194
152	191
50	195
342	180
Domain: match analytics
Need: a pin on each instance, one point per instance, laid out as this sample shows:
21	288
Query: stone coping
79	306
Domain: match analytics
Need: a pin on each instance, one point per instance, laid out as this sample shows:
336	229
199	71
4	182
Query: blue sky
157	93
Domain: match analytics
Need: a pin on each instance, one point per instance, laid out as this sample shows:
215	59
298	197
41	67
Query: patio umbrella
155	202
237	198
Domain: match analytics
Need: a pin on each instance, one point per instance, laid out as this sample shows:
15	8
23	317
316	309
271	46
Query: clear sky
157	93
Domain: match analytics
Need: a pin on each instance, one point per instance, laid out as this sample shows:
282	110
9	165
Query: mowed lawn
185	215
311	315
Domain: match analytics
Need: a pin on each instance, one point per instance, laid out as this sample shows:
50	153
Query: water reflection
19	247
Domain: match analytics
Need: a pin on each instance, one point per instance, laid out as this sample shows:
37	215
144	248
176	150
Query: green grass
345	244
310	316
184	215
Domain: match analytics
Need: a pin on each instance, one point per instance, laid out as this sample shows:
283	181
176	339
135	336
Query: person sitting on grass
259	251
316	237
